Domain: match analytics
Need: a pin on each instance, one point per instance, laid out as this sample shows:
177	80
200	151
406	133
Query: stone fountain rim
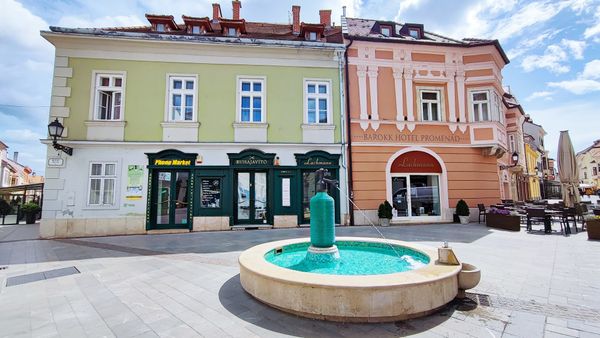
254	260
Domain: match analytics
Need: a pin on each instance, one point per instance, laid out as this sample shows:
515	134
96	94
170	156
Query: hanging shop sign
135	176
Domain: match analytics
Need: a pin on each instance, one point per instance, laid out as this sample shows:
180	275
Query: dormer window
196	30
160	27
231	31
413	33
386	31
312	36
162	23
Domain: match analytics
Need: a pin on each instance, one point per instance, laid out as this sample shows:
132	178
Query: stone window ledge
180	124
250	125
106	123
317	126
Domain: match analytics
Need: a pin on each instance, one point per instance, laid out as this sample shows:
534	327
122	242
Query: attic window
312	36
413	32
386	31
231	31
160	27
196	30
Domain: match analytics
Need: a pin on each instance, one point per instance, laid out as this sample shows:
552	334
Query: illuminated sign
172	162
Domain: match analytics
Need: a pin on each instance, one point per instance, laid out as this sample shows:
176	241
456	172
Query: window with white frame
312	36
182	93
196	30
386	30
497	108
231	31
430	104
109	97
481	105
251	100
512	146
317	102
102	183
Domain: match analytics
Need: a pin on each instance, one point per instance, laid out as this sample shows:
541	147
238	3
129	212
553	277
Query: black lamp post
55	130
515	160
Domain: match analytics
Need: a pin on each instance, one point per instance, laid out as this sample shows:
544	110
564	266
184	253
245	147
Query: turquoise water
356	258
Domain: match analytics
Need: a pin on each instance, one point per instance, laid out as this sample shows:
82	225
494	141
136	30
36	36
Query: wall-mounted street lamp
55	129
515	161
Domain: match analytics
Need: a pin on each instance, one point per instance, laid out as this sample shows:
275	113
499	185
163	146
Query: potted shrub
30	210
385	213
592	224
5	209
503	219
462	210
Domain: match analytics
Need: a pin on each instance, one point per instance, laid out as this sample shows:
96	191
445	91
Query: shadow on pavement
242	305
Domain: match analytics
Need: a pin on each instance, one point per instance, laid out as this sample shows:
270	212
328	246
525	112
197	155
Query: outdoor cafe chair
569	214
538	215
596	212
482	212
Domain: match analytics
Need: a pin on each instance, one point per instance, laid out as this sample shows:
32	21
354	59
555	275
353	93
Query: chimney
236	9
325	15
216	12
296	19
344	11
16	156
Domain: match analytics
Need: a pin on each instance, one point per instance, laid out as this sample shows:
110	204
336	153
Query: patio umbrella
567	169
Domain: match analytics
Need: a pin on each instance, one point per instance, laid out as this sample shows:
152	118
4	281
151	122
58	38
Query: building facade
518	181
426	120
537	158
588	164
203	124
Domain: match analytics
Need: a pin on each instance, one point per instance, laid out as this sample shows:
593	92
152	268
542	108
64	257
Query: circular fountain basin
384	288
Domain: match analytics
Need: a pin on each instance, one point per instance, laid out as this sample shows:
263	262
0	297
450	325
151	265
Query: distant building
588	164
12	173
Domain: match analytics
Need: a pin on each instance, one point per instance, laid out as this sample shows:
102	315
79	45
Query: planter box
593	229
506	222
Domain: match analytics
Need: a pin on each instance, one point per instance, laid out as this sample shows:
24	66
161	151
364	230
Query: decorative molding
372	74
399	91
361	73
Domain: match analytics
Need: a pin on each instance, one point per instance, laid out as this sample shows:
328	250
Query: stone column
361	73
372	74
460	83
410	115
399	99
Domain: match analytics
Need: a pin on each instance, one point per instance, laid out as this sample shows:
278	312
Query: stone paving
187	285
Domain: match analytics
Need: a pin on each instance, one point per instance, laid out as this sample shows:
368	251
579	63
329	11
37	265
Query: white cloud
586	82
553	59
19	26
575	47
404	6
527	43
541	94
595	28
20	135
106	21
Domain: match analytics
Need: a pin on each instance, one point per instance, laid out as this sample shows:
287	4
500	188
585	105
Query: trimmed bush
385	210
462	209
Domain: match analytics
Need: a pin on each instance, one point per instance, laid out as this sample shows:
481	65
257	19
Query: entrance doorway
172	199
416	195
251	197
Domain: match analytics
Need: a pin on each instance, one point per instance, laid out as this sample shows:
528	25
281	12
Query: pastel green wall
146	89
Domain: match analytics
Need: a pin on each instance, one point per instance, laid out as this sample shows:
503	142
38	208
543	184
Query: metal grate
38	276
479	298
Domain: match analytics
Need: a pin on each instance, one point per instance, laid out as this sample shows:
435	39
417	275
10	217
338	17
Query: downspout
343	127
349	147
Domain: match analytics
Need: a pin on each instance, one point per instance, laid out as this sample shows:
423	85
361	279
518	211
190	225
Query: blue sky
554	47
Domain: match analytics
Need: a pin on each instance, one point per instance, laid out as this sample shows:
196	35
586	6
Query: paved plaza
186	285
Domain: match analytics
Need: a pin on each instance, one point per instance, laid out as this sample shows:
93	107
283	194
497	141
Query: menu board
210	193
285	192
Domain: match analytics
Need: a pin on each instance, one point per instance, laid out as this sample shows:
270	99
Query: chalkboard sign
210	193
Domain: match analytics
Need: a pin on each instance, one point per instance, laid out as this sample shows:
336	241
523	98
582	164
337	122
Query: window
385	31
182	92
317	102
251	93
196	30
430	105
512	147
312	36
160	27
231	31
109	96
594	171
102	183
497	108
585	175
413	33
481	106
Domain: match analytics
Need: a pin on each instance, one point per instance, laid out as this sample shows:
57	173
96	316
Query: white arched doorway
417	186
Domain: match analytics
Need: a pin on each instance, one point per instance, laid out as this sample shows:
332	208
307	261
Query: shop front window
309	189
416	195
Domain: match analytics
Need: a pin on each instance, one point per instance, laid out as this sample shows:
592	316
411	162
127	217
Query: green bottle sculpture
322	211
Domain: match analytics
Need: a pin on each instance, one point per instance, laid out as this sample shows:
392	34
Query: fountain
350	279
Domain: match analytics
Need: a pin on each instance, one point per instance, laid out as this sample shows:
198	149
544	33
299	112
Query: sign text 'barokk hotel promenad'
192	124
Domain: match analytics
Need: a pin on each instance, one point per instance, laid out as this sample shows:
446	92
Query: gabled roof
362	29
596	144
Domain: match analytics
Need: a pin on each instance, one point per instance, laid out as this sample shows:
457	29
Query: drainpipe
342	125
349	147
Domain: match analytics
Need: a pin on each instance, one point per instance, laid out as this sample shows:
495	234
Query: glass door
309	189
416	195
251	199
400	196
172	199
